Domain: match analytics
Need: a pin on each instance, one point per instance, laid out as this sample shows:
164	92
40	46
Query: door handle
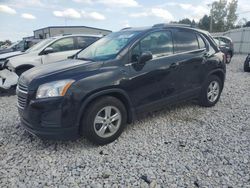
174	65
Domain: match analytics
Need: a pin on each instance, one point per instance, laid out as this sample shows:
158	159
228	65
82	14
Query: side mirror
145	56
72	56
48	50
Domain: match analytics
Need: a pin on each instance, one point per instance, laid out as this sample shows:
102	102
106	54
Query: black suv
118	77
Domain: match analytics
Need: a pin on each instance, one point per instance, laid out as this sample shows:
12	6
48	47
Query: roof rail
126	28
171	24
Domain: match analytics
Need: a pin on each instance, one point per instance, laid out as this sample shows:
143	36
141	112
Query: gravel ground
181	146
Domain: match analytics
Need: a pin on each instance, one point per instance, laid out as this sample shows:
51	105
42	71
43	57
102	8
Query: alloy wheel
107	121
213	91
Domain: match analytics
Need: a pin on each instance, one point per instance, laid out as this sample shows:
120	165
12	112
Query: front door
62	49
149	80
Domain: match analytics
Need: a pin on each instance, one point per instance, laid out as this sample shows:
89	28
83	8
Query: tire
206	98
246	66
97	118
228	58
20	71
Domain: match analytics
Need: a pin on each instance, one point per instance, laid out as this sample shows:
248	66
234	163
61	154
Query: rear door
190	53
62	49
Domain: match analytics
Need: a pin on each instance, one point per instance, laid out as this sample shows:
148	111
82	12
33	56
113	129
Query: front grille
22	92
22	88
22	101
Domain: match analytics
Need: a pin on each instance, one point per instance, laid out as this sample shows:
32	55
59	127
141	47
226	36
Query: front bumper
52	118
7	79
70	133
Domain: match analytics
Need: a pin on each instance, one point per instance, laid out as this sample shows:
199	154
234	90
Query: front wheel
104	120
211	91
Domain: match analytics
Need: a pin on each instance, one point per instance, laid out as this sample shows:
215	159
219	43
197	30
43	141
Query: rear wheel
104	120
211	91
247	66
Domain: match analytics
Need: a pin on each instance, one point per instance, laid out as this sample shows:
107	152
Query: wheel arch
220	73
28	66
117	93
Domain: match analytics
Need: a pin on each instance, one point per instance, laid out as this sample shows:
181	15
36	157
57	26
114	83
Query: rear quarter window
201	42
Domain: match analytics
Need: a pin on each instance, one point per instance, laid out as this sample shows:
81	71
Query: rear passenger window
158	43
185	41
84	42
201	42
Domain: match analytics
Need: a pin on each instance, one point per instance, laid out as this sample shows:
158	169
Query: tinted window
159	43
84	42
64	44
201	42
185	41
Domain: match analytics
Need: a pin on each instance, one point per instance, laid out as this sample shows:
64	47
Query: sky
19	18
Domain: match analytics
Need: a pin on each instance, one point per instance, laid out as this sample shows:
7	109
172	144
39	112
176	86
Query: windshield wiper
85	59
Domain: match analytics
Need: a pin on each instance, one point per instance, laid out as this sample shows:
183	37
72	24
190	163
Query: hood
6	50
10	54
67	69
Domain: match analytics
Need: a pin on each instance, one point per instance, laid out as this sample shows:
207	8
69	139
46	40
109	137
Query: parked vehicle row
106	85
20	46
47	51
226	46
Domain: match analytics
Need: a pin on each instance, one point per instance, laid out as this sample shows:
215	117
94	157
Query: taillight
224	58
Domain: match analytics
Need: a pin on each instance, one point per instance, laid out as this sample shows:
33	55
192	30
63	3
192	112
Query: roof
75	35
49	27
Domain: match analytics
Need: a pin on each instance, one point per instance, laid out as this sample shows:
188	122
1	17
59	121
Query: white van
47	51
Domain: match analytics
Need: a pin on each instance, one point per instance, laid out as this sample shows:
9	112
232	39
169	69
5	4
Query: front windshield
108	47
39	45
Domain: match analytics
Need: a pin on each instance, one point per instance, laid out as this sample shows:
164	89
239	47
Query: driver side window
64	44
159	43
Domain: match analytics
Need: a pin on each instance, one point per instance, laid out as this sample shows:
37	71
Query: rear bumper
69	133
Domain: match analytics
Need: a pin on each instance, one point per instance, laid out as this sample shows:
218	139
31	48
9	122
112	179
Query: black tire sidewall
87	124
203	97
227	59
246	66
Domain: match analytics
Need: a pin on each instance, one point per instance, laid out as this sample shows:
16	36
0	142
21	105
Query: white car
47	51
8	55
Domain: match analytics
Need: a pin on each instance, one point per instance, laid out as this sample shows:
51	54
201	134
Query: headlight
53	89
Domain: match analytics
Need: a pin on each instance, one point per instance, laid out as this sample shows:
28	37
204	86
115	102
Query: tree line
222	17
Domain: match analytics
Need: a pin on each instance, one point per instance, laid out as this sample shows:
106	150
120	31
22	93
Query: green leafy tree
223	15
185	21
247	24
204	22
219	13
231	14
